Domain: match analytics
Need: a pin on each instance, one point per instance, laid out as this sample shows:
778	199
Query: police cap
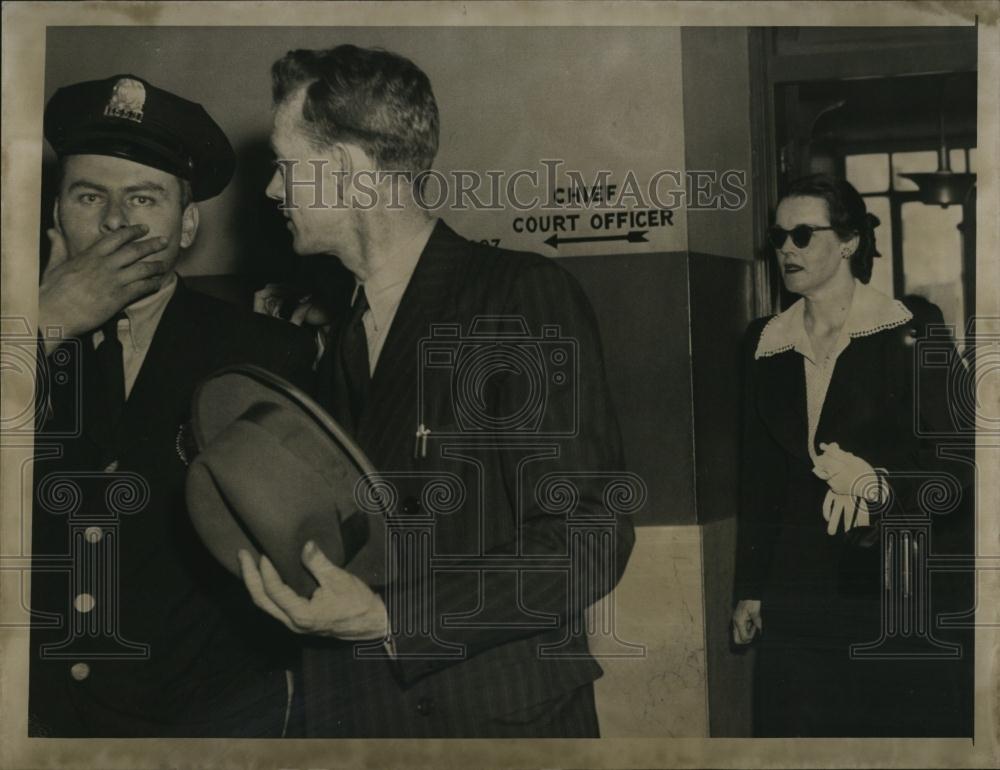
126	117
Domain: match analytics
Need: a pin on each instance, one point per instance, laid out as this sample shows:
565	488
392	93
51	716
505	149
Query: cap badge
127	100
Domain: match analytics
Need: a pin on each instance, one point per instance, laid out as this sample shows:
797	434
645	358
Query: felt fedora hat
273	470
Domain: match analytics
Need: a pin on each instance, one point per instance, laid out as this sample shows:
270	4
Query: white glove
848	476
845	473
853	511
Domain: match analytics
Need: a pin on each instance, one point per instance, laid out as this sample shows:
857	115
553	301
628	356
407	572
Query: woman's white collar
871	312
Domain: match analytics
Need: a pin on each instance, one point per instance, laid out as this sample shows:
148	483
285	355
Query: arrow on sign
634	236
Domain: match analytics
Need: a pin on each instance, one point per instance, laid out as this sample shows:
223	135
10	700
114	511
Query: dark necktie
111	373
353	355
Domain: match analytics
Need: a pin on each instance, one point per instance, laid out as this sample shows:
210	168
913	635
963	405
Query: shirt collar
871	312
384	288
144	315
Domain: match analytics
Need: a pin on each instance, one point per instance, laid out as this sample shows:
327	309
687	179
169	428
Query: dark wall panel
719	314
720	311
641	301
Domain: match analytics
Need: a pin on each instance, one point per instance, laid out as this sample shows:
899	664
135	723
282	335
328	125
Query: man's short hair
374	98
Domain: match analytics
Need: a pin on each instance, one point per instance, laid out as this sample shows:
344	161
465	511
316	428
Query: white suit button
84	603
93	534
79	671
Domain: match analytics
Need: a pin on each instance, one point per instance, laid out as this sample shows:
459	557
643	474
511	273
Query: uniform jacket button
79	671
93	534
425	706
84	603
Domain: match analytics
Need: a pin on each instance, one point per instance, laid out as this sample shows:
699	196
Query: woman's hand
846	473
746	621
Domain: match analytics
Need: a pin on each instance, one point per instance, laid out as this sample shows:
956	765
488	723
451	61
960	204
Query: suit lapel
169	358
849	387
781	398
92	422
389	419
329	374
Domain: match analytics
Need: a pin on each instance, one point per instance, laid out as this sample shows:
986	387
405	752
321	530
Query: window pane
882	267
957	159
973	161
932	257
868	173
911	162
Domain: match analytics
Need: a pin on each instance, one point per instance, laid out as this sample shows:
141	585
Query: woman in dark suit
846	501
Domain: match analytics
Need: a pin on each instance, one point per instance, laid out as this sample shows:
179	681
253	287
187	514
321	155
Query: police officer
137	631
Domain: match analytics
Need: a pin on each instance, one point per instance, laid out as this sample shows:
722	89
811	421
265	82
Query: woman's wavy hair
848	217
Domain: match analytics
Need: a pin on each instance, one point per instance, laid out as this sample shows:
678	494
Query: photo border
24	27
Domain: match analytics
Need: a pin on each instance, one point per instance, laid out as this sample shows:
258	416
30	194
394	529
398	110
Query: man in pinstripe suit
473	379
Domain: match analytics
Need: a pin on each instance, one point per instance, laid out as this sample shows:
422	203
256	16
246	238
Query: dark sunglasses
801	235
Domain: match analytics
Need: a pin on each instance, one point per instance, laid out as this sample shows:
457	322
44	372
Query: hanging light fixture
943	187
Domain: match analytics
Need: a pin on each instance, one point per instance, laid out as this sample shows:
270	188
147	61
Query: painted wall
641	302
509	98
660	690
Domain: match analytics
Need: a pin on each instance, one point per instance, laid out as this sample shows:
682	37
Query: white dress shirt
136	329
384	290
870	312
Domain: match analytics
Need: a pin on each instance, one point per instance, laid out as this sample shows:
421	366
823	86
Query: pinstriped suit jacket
494	573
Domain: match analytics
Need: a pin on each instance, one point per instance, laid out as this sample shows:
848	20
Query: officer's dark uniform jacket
137	631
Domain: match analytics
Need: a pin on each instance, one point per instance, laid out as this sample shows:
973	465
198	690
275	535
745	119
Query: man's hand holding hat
342	606
81	293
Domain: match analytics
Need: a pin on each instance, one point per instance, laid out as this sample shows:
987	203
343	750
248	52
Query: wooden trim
763	172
